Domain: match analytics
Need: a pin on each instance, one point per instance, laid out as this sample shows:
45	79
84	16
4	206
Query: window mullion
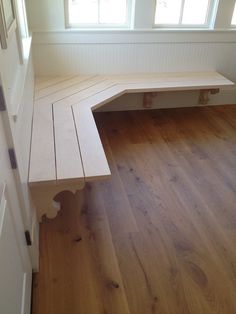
181	12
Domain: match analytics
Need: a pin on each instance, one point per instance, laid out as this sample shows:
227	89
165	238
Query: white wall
48	15
45	14
58	51
10	66
145	53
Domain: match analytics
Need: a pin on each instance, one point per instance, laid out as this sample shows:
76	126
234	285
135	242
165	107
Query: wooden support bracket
148	98
42	196
204	95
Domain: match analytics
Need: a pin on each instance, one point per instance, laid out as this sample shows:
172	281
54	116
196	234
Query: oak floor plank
159	236
117	204
141	189
222	243
86	268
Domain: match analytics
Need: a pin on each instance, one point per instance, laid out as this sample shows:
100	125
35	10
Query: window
177	13
98	13
233	22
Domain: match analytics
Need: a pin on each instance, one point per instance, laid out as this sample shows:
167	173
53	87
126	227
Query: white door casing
15	265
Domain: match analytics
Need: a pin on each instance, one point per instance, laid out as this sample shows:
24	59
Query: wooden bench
66	150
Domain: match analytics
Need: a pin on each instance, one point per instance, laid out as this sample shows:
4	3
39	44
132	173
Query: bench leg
204	95
43	197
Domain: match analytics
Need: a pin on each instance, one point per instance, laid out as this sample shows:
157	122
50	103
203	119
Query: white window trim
233	25
98	25
22	19
23	36
210	16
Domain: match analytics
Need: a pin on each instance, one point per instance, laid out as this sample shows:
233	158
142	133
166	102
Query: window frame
6	31
23	36
209	17
127	25
22	19
233	26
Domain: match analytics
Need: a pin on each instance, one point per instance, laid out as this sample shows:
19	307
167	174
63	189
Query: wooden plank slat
178	76
47	81
102	98
67	92
41	79
92	90
42	160
68	159
174	84
60	86
84	96
93	156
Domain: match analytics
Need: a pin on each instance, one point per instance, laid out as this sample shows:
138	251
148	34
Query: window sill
98	28
142	36
154	29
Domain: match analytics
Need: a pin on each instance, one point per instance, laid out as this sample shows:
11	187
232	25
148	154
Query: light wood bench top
66	146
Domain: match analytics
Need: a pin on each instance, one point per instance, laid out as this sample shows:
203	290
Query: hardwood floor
160	235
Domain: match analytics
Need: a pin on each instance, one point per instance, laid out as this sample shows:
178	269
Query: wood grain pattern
59	93
65	144
159	237
95	87
43	161
67	82
42	82
89	93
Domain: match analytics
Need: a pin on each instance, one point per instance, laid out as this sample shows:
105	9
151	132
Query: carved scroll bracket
43	195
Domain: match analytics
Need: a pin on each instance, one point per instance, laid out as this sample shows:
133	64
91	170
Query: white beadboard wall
157	53
134	58
61	53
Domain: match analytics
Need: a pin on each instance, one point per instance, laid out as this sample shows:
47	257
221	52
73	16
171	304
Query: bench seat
66	150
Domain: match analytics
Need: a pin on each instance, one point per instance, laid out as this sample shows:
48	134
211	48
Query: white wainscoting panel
65	59
65	53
